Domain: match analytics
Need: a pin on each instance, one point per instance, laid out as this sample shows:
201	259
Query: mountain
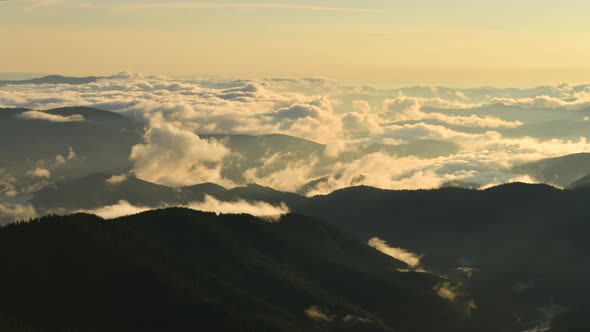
106	189
461	184
101	140
179	269
561	171
523	247
109	189
52	79
582	183
71	142
519	251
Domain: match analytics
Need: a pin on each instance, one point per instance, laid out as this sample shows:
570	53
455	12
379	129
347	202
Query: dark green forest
179	269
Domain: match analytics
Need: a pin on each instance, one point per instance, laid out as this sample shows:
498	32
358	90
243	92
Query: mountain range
469	256
509	248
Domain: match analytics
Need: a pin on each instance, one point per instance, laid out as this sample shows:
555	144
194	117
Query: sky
380	42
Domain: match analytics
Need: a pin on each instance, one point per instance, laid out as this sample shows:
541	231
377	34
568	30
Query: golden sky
381	42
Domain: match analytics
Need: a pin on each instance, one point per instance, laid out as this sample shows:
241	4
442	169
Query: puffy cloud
176	157
361	124
400	254
314	119
289	177
40	173
402	108
36	115
44	168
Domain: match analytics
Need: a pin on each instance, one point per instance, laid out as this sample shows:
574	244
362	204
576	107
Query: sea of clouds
492	130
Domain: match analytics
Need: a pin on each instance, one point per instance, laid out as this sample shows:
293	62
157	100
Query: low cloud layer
262	210
36	115
258	209
123	208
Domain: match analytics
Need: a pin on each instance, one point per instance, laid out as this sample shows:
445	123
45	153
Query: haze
385	43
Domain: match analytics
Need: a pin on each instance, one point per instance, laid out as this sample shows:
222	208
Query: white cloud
176	157
40	173
400	254
405	109
287	178
257	209
261	210
539	102
122	208
37	115
116	179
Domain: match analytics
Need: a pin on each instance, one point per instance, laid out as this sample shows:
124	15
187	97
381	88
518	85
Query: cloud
275	173
36	115
61	160
409	109
363	121
176	157
122	208
314	119
116	179
40	173
261	210
447	291
7	184
345	119
15	212
579	102
257	209
400	254
318	314
44	167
